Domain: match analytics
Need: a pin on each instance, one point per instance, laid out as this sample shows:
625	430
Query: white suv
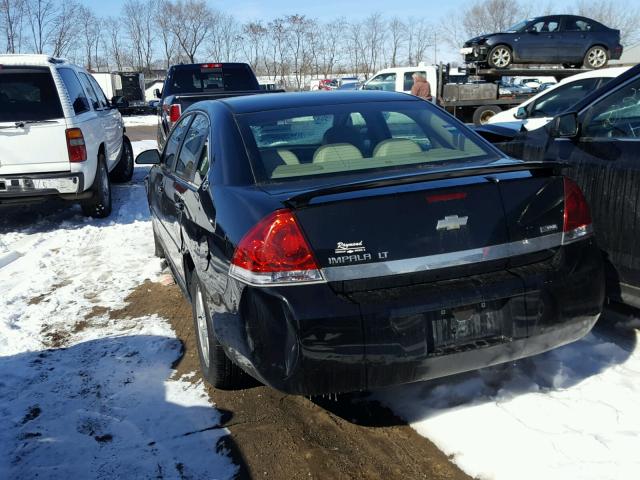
59	135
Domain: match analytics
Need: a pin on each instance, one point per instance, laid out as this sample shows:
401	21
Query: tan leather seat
288	157
396	147
336	151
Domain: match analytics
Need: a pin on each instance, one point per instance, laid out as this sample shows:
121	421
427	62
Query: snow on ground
140	120
102	405
572	413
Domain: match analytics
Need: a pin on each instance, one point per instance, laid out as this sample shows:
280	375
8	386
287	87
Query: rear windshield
28	94
204	78
343	139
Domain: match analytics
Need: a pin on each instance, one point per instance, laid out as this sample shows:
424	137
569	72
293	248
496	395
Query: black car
365	239
559	39
599	140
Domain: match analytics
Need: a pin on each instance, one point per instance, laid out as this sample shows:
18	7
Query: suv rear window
28	94
206	78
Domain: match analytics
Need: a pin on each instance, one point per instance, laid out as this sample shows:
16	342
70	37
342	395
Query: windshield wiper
23	123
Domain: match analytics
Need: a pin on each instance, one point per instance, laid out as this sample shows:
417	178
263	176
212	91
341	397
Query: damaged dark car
362	240
567	40
598	140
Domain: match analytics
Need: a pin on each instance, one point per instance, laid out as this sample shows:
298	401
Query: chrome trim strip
446	260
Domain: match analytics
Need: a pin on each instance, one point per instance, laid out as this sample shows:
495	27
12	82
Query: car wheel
500	57
99	206
482	114
123	171
596	57
216	367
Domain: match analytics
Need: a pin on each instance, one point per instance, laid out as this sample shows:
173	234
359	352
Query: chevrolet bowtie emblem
453	222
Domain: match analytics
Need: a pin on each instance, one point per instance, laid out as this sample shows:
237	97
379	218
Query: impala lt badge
453	222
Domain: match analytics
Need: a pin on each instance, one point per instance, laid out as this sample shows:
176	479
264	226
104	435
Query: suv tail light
75	145
577	218
275	252
175	111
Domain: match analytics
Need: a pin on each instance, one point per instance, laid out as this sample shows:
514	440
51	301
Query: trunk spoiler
303	199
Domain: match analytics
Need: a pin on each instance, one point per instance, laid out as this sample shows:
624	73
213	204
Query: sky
326	9
434	10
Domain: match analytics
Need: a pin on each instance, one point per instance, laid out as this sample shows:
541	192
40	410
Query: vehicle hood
480	39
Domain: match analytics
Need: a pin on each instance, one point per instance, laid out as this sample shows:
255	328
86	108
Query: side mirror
148	157
531	29
521	113
565	125
157	93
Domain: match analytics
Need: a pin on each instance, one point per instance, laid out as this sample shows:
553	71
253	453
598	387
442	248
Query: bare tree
191	24
40	16
115	43
397	38
225	37
12	12
618	15
374	36
486	16
138	16
298	26
167	38
253	35
64	28
420	37
333	32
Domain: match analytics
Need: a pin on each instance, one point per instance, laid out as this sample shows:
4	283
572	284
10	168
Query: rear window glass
28	94
192	79
343	139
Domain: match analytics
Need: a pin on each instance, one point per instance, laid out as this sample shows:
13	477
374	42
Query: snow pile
572	413
140	120
103	406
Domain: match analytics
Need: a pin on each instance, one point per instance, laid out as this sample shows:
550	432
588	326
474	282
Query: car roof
30	59
277	101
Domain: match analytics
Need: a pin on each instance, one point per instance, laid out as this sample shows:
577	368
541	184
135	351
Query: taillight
577	217
75	145
275	252
175	111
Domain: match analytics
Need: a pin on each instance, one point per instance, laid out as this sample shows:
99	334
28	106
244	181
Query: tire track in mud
274	435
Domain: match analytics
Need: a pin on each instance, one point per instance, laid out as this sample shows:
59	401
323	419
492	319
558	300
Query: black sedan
560	39
599	140
365	239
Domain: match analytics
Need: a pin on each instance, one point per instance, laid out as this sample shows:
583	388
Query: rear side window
101	96
190	159
174	142
408	80
563	97
88	88
28	94
74	89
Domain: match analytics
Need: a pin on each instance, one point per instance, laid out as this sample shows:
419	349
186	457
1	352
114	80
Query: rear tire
216	367
482	114
123	171
596	57
99	206
500	56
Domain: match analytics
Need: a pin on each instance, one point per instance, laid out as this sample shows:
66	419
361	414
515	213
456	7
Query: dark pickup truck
188	84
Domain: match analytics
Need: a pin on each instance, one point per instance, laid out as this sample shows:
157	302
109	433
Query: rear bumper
28	188
310	340
616	52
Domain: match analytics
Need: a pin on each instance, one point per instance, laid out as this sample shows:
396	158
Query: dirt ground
280	436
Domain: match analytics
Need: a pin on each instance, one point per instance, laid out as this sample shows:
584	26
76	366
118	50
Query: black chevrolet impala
333	243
